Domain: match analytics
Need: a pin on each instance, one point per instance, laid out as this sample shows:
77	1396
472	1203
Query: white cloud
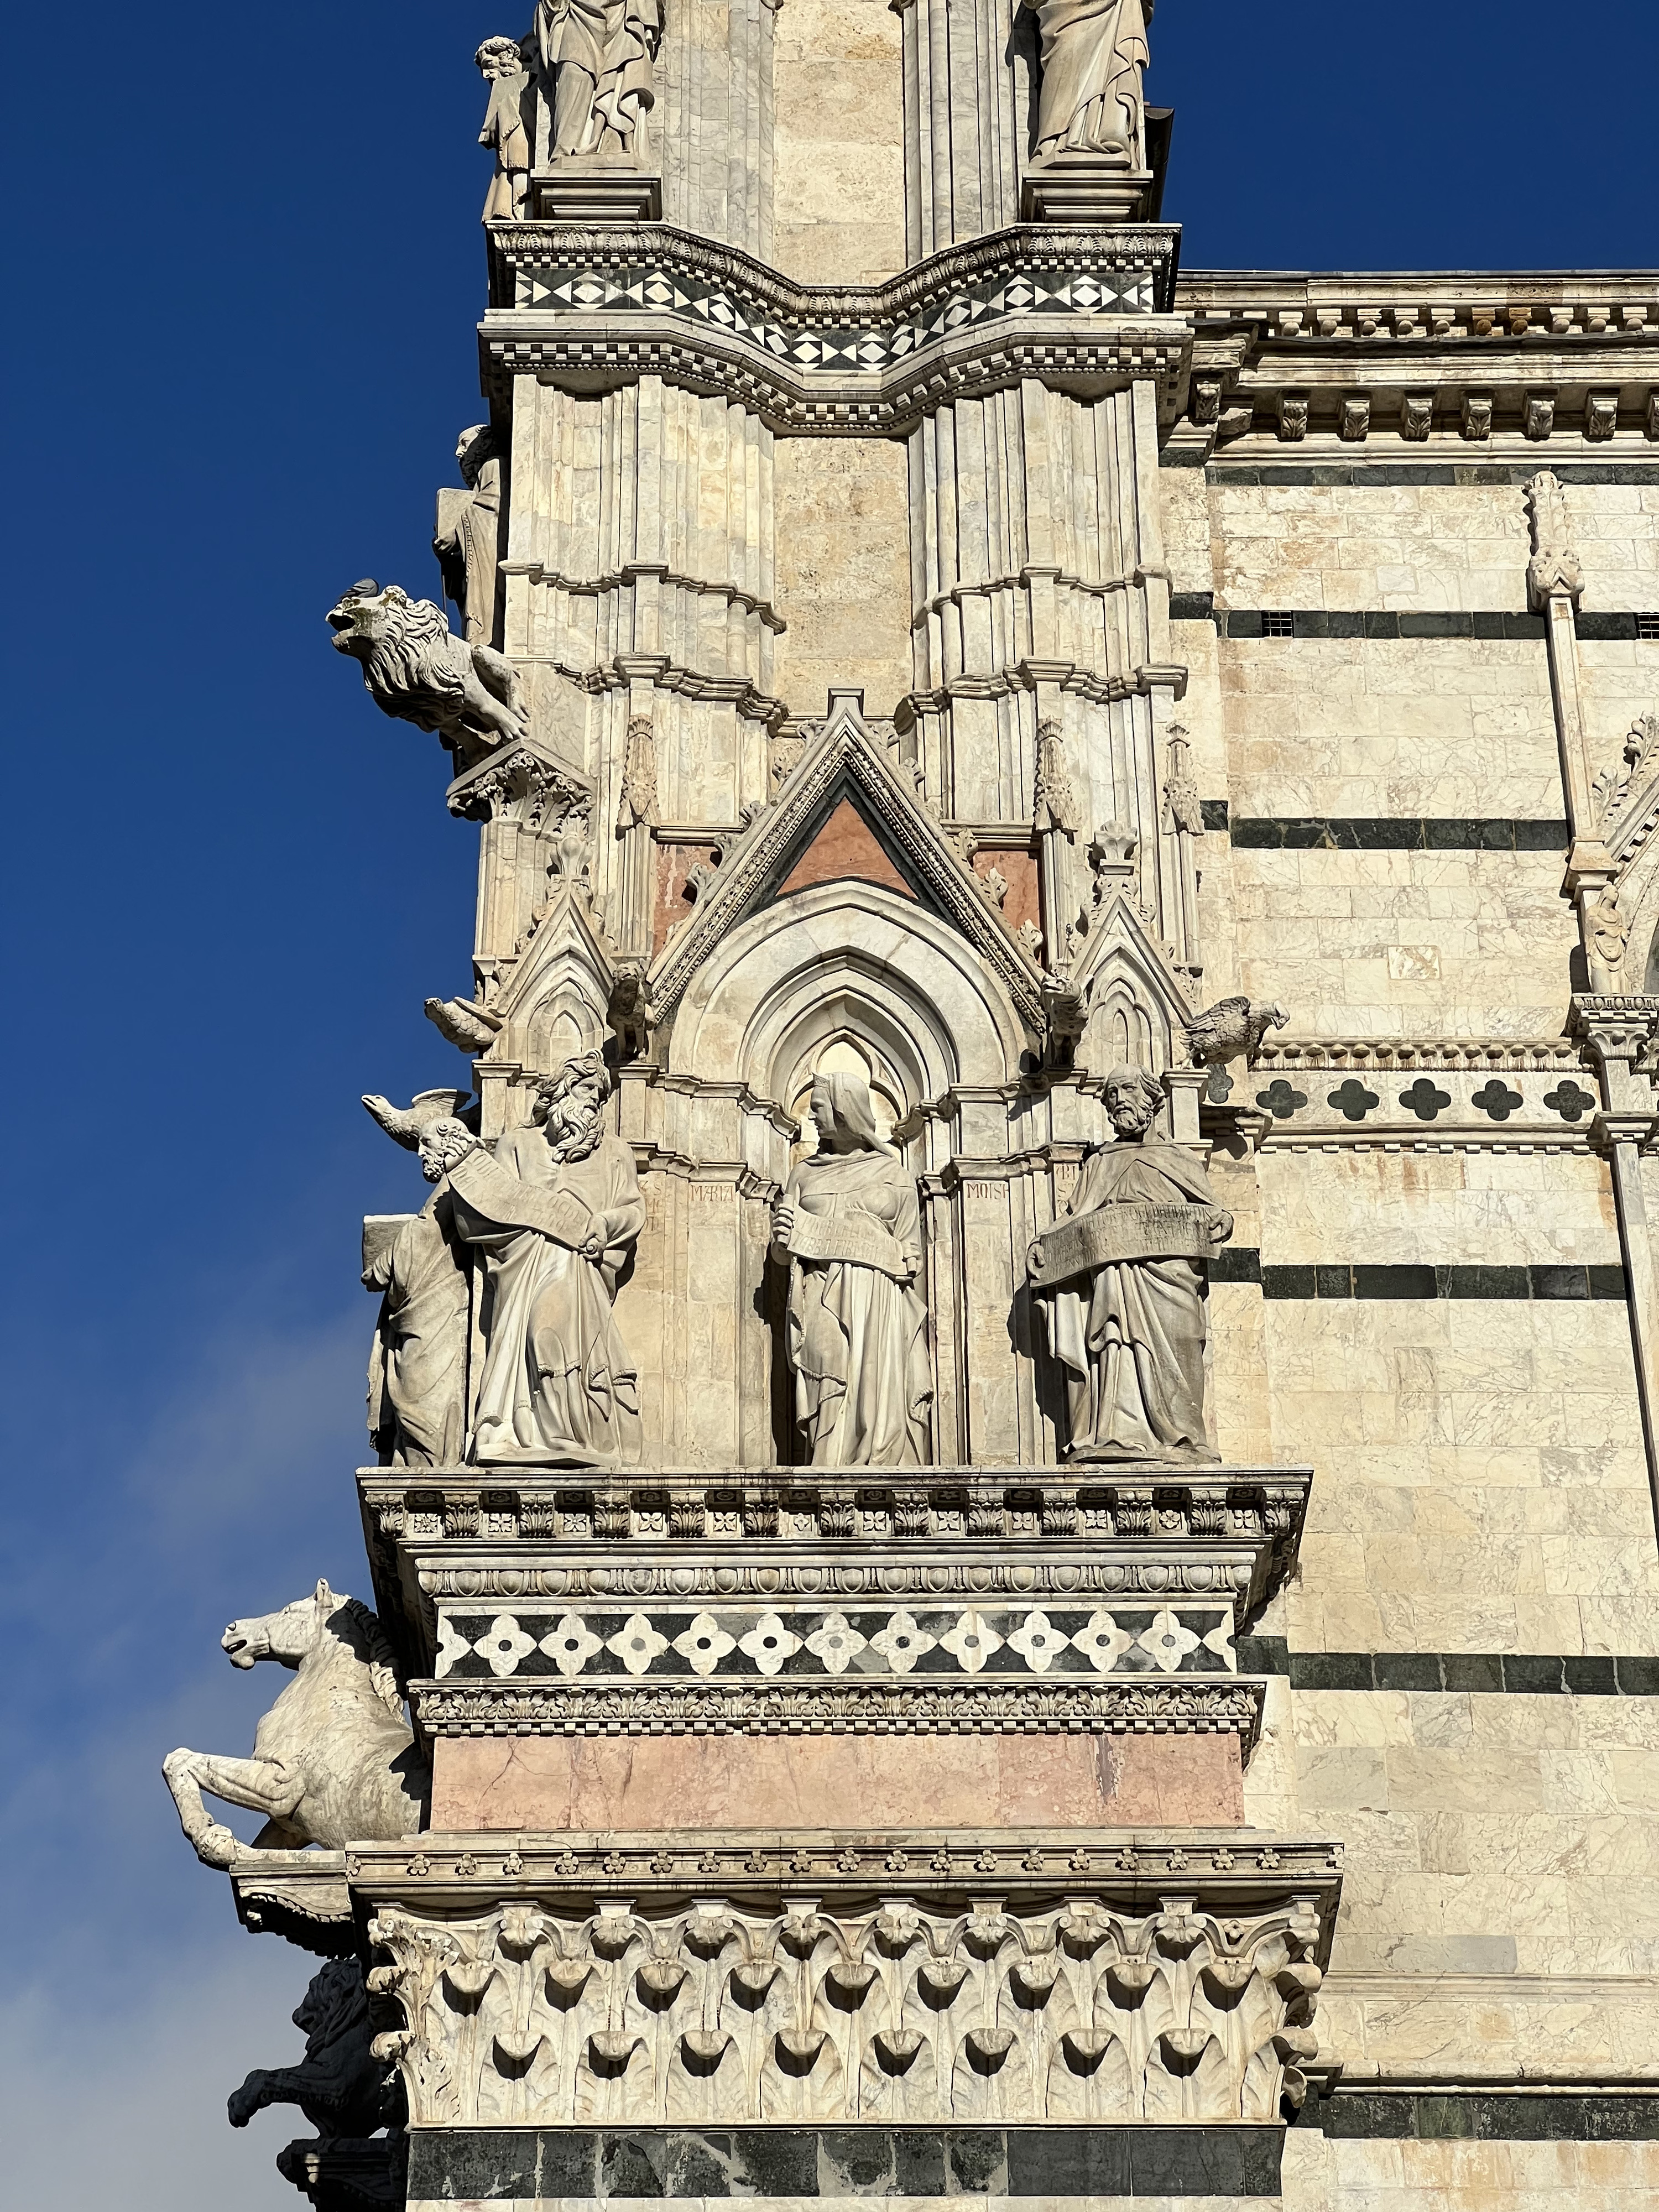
134	2003
100	2108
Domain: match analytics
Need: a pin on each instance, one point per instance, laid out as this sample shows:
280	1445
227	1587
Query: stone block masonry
1014	1426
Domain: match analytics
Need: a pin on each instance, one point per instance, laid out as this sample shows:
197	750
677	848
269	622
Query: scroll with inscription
499	1196
1116	1233
857	1239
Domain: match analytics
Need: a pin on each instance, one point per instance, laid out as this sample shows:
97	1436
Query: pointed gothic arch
855	957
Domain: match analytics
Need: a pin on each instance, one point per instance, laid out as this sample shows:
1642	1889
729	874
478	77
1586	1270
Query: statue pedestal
1086	188
595	195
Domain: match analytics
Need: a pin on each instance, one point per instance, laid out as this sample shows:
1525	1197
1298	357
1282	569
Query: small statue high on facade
599	57
1089	100
507	126
468	539
556	1210
849	1228
1121	1284
418	1365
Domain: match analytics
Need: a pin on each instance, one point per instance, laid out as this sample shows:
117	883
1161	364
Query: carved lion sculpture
339	2085
415	667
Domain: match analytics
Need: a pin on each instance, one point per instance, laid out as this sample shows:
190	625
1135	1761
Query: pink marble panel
551	1782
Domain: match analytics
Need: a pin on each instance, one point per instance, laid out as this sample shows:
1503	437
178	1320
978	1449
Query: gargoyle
1230	1027
416	668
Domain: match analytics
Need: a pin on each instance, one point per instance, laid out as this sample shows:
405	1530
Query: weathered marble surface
544	1782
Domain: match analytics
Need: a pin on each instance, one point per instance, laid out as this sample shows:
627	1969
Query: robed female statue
555	1209
849	1228
1122	1284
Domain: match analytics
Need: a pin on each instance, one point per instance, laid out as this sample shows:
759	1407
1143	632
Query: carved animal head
364	617
291	1635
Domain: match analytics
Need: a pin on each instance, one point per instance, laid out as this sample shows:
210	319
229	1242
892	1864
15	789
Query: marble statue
334	1761
1121	1284
1089	98
468	538
416	669
554	1210
418	1365
599	57
506	126
849	1227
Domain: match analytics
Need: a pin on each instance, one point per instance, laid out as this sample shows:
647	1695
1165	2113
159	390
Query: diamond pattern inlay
652	291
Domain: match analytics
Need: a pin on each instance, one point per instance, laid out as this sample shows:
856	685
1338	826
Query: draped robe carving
1129	1336
1089	100
557	1388
856	1335
418	1365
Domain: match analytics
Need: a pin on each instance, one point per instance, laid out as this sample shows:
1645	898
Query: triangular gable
844	767
1122	957
556	990
844	845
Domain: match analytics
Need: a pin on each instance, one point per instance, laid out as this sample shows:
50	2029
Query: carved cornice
1485	368
1392	305
1151	1507
619	303
1543	1056
1183	1705
1189	1997
498	1580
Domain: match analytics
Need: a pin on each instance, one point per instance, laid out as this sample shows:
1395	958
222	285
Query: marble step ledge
759	1977
1017	1535
1235	1868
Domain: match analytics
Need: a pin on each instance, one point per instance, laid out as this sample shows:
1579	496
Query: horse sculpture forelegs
261	1784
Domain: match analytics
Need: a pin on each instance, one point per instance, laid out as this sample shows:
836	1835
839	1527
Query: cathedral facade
1012	1486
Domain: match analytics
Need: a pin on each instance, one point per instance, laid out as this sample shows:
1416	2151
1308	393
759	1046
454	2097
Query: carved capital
1140	1978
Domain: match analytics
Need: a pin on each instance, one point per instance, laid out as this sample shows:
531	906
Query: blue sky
245	269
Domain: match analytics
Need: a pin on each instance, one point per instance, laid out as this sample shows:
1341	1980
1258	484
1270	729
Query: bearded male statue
1122	1286
554	1209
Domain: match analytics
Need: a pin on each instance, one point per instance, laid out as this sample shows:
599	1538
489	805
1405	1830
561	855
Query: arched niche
851	959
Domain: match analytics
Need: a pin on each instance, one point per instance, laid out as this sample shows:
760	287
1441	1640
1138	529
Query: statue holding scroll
1121	1284
849	1228
555	1209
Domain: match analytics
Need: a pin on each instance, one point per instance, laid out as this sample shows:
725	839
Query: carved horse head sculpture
334	1761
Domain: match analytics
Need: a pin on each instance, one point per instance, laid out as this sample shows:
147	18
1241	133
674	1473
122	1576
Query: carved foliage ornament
720	2013
1553	566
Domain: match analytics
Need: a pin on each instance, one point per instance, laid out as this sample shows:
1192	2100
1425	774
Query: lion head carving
416	668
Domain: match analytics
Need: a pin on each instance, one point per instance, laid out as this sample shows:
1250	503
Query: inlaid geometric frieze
824	357
583	288
797	1642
